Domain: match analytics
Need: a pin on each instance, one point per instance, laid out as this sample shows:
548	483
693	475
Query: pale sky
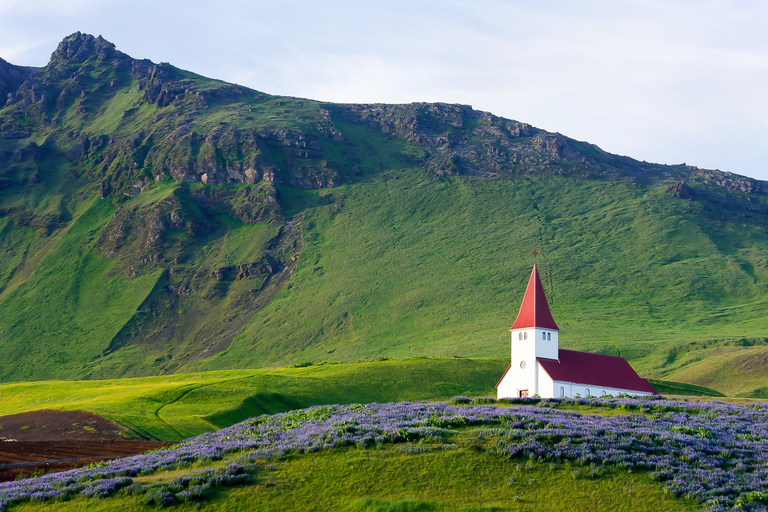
662	81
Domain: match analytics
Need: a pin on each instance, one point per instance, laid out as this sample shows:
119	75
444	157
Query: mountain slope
152	220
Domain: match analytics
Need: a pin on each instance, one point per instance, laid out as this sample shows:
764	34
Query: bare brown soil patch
43	441
59	426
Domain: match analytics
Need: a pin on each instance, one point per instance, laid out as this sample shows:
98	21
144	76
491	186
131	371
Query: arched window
549	336
586	392
562	391
519	335
543	336
525	335
602	393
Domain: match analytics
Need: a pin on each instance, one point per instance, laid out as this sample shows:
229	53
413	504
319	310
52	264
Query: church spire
534	311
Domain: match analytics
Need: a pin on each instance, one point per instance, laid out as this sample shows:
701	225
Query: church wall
546	385
517	377
546	348
544	341
570	390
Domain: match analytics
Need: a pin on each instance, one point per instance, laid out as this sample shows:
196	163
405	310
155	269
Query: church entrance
523	393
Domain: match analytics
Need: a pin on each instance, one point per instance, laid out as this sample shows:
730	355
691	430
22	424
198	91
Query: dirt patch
59	426
44	441
27	458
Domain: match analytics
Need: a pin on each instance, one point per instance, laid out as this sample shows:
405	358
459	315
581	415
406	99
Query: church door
523	393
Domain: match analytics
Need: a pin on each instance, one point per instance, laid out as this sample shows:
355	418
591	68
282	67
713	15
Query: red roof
595	370
534	311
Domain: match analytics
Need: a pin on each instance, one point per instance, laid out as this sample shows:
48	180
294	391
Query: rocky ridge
85	72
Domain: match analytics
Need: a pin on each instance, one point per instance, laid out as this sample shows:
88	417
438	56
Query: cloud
46	8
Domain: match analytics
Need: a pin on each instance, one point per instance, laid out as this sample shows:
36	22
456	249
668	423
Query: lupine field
712	453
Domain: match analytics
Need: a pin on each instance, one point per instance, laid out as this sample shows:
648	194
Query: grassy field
458	473
388	480
175	407
180	406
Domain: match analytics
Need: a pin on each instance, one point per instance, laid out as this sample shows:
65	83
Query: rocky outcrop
265	266
460	140
11	78
679	190
78	47
730	181
155	235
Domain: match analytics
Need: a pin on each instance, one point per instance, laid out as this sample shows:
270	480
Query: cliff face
174	208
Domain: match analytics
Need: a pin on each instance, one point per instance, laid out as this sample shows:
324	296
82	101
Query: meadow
525	454
175	407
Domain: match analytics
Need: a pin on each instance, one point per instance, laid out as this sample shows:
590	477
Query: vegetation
391	480
153	221
175	407
470	457
679	388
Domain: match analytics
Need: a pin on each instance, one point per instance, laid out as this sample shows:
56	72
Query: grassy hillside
154	221
611	454
389	480
408	265
175	407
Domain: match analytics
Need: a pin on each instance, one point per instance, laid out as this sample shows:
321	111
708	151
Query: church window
525	335
522	365
543	336
562	391
519	335
586	391
602	393
549	336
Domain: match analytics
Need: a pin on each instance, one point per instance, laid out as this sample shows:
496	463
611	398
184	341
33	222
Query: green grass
69	308
410	265
179	406
397	261
386	479
666	387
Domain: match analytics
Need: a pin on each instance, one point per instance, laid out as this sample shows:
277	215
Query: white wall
518	378
546	385
547	347
572	389
527	350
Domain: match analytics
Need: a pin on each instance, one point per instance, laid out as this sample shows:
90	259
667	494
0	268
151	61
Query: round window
522	364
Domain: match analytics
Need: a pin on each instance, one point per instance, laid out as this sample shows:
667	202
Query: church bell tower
534	335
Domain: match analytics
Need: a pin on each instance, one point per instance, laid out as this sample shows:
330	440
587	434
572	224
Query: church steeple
534	311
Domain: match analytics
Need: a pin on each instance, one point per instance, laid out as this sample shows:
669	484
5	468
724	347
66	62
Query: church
540	368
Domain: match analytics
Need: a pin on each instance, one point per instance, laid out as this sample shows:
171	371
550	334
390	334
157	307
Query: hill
175	407
570	454
154	221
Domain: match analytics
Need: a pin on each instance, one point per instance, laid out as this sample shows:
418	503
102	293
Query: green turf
665	387
389	480
179	406
392	255
69	308
411	266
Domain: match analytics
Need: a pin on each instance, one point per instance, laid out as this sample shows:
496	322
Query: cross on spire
535	253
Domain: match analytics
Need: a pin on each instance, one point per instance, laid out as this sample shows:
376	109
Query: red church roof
534	311
595	370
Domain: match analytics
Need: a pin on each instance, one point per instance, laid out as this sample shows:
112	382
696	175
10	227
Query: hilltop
153	220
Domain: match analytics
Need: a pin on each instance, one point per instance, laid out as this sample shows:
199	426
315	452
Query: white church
539	367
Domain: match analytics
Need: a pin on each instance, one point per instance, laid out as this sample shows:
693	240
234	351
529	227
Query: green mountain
153	220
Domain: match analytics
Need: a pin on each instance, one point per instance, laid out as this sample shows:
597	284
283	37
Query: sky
663	81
